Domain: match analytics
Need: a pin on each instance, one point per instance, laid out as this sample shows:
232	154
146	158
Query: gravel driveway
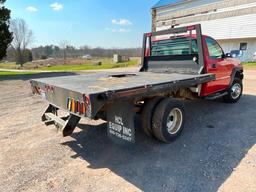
217	151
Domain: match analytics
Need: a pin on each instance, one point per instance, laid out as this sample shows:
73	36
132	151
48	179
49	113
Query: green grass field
10	73
106	64
249	64
11	65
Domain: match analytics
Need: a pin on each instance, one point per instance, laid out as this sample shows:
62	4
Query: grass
10	73
11	65
106	64
249	64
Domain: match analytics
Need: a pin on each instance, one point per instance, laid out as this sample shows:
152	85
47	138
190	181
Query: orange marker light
83	108
73	106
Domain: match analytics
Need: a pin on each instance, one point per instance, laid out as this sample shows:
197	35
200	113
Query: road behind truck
216	152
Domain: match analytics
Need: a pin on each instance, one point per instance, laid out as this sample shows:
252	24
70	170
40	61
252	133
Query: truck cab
222	65
193	53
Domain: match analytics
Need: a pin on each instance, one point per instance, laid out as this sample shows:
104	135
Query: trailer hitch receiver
66	124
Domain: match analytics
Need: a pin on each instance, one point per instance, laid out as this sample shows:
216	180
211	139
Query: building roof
162	3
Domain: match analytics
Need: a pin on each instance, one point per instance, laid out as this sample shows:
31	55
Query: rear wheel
168	120
235	92
147	114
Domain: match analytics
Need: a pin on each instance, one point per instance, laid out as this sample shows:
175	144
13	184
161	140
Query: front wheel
235	92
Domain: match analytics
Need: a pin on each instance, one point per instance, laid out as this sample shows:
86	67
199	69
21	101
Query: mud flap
120	119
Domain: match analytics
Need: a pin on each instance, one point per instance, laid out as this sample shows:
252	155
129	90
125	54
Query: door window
215	51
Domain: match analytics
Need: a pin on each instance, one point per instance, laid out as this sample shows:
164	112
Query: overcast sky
105	23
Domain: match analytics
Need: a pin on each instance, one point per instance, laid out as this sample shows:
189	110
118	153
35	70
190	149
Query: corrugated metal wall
227	28
222	20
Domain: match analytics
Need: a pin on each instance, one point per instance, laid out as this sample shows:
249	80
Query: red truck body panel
222	68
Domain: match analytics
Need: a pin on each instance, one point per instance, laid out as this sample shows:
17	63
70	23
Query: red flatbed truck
177	64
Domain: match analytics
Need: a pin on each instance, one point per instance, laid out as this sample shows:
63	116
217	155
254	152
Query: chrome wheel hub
174	121
236	91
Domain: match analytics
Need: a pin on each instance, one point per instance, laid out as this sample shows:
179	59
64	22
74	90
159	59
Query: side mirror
228	55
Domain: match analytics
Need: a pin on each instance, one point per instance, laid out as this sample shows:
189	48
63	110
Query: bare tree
64	45
22	37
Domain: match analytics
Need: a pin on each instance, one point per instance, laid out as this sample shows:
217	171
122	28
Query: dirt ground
217	151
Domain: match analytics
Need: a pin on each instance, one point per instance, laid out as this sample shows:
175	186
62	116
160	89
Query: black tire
162	115
233	97
147	114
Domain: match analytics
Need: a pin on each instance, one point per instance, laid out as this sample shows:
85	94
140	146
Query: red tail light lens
77	107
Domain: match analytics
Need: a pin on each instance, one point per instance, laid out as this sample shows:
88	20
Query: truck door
217	64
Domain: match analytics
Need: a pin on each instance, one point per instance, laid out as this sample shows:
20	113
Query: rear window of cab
177	46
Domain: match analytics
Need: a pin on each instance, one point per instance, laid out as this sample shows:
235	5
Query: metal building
231	22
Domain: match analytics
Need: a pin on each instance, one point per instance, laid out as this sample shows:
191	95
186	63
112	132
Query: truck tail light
76	106
73	105
83	108
36	90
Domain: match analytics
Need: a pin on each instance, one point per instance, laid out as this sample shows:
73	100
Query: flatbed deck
103	82
101	88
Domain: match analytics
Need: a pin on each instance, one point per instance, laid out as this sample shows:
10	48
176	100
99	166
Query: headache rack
174	50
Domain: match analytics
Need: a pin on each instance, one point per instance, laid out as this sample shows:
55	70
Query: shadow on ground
35	76
215	140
